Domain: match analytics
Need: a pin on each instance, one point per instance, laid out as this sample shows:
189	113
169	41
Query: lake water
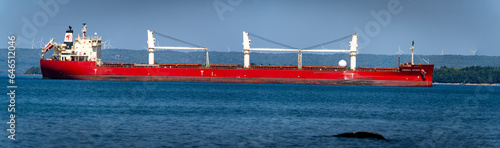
70	113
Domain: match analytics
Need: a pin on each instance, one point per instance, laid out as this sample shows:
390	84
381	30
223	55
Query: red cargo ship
82	61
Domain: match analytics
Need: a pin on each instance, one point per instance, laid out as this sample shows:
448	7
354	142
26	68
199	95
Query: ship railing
119	64
378	69
225	66
168	65
165	65
274	67
325	68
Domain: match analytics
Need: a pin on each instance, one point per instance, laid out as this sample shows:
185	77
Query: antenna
474	51
84	30
41	42
117	58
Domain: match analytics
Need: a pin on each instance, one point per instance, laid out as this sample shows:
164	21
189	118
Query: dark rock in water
360	135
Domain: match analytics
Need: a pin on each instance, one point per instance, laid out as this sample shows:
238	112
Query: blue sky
452	26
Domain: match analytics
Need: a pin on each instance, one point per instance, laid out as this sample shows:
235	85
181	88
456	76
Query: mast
151	47
412	47
353	51
84	30
246	50
399	61
207	61
299	65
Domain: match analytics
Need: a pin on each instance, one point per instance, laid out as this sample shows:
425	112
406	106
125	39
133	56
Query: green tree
33	71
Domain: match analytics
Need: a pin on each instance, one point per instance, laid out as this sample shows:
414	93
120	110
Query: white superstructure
83	48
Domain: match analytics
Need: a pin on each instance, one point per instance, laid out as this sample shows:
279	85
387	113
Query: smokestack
68	38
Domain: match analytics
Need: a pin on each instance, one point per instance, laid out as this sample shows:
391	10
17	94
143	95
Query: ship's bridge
82	49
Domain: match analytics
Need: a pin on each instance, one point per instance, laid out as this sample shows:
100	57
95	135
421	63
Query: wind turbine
107	45
474	51
41	42
103	45
32	43
400	52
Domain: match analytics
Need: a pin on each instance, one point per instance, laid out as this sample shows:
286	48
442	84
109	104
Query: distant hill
35	70
26	58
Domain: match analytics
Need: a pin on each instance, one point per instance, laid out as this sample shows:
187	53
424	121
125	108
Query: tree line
472	74
34	70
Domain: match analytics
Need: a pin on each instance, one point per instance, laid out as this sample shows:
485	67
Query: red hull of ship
88	70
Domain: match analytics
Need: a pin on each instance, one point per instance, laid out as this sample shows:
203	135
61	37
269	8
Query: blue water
70	113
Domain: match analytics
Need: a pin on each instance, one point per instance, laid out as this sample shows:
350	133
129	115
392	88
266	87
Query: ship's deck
256	67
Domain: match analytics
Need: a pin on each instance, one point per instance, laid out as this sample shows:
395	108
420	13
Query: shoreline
483	84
